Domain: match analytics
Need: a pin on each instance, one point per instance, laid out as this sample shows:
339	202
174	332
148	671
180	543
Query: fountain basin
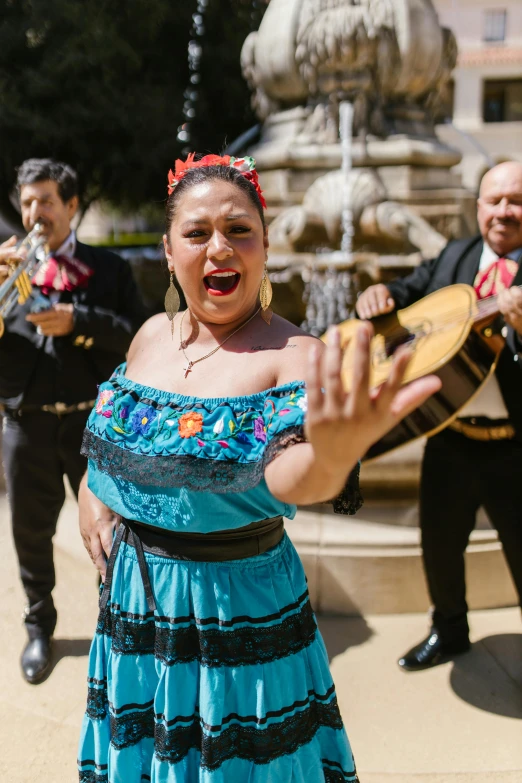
357	565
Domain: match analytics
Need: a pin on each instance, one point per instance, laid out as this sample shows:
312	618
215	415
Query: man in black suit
477	460
57	347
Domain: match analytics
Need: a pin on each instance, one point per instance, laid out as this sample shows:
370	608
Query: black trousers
458	476
38	450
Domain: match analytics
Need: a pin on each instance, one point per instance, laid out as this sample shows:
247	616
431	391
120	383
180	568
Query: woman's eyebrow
194	222
204	221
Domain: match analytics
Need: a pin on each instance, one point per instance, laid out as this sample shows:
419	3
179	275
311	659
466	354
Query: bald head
499	205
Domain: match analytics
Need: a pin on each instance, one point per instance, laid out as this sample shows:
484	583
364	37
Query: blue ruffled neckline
151	391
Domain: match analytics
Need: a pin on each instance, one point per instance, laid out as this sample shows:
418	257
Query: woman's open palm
335	418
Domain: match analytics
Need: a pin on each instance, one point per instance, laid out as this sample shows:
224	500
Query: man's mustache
506	222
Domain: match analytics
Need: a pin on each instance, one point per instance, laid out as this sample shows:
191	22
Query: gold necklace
191	364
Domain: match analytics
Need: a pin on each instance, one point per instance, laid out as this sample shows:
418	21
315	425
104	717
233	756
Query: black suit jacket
107	313
459	263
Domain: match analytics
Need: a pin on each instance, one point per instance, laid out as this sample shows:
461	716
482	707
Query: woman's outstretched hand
360	418
97	523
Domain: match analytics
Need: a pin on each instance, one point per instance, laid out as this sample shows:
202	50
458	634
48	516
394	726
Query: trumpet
17	288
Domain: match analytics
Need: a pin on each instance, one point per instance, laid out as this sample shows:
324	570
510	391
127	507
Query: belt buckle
60	407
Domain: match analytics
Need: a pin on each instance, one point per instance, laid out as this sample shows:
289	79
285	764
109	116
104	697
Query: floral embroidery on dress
219	426
189	424
218	444
260	429
142	419
302	403
104	398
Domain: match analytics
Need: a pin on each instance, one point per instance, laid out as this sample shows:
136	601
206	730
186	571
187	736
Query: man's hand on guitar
359	419
376	300
510	305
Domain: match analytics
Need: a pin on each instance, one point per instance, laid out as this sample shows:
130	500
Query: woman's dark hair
207	174
43	169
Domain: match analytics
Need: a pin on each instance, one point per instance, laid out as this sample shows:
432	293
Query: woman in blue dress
207	665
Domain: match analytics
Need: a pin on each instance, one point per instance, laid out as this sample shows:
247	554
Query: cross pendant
188	369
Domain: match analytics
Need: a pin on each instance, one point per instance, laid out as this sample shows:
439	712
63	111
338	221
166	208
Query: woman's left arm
341	427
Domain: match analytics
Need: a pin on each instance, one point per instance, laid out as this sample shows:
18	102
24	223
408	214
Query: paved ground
458	723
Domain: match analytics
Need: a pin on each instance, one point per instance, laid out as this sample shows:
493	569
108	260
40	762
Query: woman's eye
239	229
196	234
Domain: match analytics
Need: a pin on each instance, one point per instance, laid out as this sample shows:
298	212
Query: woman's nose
218	246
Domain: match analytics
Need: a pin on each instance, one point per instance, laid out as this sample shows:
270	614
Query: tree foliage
101	85
223	103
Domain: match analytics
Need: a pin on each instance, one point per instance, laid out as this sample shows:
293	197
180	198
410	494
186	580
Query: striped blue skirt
227	680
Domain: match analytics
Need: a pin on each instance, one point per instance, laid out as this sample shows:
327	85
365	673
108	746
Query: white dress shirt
489	401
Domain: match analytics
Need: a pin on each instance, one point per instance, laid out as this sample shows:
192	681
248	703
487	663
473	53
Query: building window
495	26
503	101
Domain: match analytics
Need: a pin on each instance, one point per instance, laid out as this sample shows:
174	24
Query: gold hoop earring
171	303
265	297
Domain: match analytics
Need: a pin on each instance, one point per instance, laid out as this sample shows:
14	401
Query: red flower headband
247	167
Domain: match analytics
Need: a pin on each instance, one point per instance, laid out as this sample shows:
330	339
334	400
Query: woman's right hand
375	300
97	523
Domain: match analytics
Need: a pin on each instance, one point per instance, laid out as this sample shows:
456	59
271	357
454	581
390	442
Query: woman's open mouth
222	283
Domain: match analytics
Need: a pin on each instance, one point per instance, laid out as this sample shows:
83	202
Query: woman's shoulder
147	332
292	346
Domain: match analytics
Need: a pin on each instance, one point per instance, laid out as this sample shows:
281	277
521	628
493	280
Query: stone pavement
458	723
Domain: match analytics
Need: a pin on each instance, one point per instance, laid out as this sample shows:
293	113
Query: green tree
98	84
103	85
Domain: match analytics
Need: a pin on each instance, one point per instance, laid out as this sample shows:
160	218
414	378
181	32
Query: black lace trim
334	773
182	470
96	775
277	444
97	704
205	475
131	728
212	647
247	742
350	499
92	777
240	739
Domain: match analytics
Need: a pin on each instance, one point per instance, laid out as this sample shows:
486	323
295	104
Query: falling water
191	93
346	135
330	294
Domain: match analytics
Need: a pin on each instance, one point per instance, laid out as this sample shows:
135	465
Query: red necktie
495	278
60	273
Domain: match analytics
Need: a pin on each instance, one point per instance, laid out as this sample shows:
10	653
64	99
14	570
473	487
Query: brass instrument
17	288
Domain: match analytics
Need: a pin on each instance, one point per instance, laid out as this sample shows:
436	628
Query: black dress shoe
430	652
36	659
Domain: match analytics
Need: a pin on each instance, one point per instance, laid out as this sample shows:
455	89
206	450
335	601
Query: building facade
485	102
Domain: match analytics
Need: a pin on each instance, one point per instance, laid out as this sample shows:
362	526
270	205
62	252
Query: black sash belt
217	547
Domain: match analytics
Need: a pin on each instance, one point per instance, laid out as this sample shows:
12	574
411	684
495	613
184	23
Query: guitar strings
455	316
459	314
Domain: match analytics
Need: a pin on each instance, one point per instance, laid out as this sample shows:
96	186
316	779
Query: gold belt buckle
60	407
476	432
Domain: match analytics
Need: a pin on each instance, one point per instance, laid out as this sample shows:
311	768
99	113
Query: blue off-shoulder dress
228	678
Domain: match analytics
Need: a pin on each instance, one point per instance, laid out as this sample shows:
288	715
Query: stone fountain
391	61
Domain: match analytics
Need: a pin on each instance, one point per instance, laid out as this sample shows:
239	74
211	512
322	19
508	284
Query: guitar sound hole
399	337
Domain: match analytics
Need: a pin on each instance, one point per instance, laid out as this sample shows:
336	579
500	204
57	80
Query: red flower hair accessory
247	167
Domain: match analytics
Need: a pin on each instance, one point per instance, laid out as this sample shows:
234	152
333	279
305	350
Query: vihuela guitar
452	335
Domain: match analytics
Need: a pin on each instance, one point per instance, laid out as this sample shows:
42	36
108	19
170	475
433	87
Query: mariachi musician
477	459
57	347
